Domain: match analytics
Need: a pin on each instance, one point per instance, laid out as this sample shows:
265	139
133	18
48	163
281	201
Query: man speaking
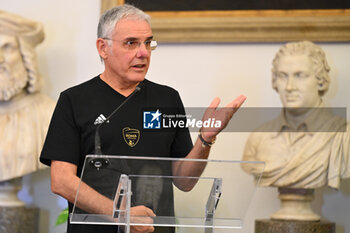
125	42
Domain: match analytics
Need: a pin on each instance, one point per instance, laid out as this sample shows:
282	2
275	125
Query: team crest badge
131	136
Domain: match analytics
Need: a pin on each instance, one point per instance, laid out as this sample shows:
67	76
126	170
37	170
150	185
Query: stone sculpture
307	146
24	112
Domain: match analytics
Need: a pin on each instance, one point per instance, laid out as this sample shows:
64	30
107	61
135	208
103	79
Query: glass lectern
217	199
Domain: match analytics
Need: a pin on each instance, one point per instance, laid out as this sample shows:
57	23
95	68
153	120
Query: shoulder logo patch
131	136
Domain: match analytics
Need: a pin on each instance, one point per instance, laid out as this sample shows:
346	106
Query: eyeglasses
134	44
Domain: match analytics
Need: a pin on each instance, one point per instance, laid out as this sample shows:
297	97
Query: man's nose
142	51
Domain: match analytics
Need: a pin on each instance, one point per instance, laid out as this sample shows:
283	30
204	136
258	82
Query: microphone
98	150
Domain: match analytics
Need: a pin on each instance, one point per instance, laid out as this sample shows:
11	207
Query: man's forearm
190	168
65	183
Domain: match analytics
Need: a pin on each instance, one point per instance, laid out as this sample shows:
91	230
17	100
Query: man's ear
102	48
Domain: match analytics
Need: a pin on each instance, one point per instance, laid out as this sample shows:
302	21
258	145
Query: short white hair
111	17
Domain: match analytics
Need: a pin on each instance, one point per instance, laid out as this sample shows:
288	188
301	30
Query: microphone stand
98	150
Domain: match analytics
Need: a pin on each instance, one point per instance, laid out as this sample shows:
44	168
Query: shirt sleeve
62	141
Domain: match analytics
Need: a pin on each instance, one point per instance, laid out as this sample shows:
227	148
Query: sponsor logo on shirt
131	136
100	119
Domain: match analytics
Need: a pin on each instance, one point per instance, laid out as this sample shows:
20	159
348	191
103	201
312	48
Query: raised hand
222	114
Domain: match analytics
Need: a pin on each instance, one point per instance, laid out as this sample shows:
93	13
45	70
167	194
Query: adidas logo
100	119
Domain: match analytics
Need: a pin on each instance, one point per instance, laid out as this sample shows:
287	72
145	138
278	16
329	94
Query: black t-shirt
82	108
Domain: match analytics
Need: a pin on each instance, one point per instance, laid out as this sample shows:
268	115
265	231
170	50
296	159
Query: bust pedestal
296	205
15	217
19	219
292	226
295	215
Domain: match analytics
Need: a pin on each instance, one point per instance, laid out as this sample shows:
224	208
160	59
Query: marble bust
24	112
306	146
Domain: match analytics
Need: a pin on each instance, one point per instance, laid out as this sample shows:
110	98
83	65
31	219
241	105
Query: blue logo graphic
151	120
